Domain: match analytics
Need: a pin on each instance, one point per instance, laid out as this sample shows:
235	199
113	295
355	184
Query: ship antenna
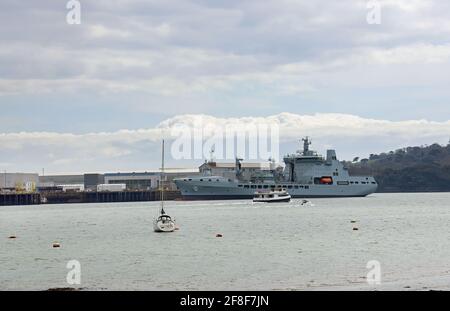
306	143
211	153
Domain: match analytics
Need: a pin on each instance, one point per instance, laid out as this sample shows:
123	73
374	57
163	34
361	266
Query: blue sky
132	64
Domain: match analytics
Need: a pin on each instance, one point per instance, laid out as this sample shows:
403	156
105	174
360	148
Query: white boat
274	196
163	223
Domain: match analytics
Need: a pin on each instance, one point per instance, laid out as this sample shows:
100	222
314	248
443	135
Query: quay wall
20	199
84	197
107	196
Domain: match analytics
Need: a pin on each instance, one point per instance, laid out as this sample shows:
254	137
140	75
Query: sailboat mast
161	178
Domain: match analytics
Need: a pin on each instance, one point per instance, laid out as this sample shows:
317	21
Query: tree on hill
412	169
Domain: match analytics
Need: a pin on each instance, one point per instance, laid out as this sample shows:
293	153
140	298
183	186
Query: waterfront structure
56	180
18	182
306	174
91	181
111	187
147	180
11	198
70	182
134	180
72	187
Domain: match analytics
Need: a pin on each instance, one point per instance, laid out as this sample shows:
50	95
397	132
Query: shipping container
111	187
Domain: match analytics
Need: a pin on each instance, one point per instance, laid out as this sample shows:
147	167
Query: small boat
273	196
163	223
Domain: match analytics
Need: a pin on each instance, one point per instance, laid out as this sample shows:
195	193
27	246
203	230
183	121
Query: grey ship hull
220	188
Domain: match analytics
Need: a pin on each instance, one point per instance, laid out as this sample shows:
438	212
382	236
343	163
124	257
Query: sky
94	96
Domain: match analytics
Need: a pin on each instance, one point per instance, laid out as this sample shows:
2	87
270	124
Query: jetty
84	197
20	198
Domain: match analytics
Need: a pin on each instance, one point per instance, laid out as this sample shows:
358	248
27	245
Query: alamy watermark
225	142
374	275
73	17
374	15
74	275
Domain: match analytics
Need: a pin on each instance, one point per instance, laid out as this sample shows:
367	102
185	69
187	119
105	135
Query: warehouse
147	180
134	180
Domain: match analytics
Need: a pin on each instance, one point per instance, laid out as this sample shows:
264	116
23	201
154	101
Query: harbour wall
20	199
85	197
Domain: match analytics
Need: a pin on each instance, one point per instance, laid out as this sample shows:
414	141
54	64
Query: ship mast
306	143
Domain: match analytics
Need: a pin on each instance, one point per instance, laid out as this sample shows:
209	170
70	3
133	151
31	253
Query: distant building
111	187
57	180
133	181
25	182
139	181
91	181
72	187
147	180
51	183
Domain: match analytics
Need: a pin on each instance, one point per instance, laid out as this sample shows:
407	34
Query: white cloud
413	54
139	149
99	31
408	5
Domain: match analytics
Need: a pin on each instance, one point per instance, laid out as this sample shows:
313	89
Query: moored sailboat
163	223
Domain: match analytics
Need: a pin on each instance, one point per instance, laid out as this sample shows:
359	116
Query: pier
84	197
20	199
107	196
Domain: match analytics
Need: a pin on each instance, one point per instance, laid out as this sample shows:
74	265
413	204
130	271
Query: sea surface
286	246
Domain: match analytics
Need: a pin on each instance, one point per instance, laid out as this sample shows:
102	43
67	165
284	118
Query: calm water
284	246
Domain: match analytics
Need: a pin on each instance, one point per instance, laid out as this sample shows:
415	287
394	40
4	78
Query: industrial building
91	181
61	183
147	180
134	180
19	182
24	189
61	179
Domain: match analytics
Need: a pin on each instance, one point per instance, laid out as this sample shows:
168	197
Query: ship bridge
304	165
305	155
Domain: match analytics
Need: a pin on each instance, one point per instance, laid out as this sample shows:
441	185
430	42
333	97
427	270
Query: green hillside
412	169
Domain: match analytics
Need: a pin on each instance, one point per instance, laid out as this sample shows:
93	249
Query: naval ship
306	175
